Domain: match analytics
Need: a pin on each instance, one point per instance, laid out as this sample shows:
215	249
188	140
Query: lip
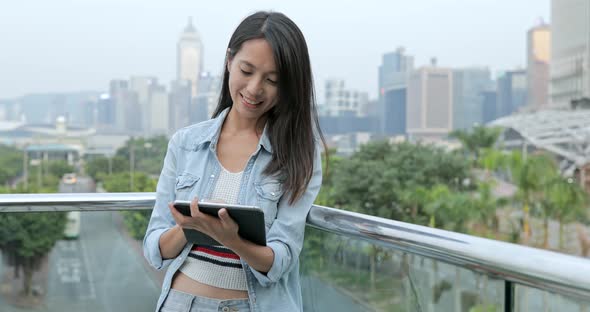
248	105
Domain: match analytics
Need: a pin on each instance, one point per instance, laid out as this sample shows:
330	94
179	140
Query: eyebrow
274	72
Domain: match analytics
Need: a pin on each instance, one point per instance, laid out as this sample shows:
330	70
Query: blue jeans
178	301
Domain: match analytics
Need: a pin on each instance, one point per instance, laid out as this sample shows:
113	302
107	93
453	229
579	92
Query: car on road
69	178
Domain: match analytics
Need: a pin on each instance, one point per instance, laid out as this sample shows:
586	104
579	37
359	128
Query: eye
273	82
247	73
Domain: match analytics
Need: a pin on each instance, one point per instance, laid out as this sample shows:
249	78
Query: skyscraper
393	77
512	92
142	87
190	57
341	101
180	104
468	84
538	56
159	119
206	102
570	52
430	102
124	104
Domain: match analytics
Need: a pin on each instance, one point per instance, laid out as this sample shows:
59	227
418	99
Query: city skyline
88	44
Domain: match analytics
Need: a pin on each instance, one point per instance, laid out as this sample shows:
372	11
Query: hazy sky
61	45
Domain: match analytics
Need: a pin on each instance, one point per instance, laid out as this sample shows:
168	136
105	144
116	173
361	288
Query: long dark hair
292	123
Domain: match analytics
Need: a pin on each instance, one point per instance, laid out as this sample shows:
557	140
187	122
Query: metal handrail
546	270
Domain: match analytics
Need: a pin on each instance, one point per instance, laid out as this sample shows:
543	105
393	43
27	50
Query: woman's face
253	78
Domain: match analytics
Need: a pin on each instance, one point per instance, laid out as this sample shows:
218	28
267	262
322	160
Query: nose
255	87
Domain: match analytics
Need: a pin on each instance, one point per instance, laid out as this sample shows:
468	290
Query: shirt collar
212	134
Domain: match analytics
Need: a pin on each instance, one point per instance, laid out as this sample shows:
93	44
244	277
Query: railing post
508	296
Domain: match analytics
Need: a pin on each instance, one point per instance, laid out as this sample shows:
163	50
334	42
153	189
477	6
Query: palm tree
530	174
566	201
479	137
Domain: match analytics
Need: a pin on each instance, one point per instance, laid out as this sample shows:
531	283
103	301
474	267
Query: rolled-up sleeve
161	220
286	234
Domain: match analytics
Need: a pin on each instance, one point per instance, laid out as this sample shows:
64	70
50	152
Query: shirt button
272	193
213	176
225	309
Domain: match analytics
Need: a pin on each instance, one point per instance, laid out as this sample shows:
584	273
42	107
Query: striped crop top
217	265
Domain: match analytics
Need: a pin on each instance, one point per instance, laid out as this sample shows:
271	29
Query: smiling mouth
249	101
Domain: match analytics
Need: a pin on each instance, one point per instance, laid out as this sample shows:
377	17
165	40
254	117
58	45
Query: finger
225	218
195	207
175	213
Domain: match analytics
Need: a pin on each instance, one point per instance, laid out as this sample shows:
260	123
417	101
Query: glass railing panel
344	274
532	299
101	270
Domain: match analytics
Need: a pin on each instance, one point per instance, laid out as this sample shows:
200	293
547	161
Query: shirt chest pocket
185	184
268	194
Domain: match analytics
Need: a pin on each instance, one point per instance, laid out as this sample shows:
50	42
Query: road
100	271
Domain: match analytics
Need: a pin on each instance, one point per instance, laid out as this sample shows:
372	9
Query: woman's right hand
223	229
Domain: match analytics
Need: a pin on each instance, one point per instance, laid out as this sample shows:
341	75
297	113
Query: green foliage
11	163
390	180
148	153
30	234
449	210
98	167
26	238
135	221
566	200
58	168
477	138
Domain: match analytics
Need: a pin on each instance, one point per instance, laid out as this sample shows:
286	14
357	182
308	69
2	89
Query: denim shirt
191	169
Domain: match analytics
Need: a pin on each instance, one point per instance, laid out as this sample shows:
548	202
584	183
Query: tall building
393	120
429	112
570	52
105	114
393	77
512	92
159	120
468	84
341	101
126	106
190	57
180	104
490	106
142	86
206	102
538	56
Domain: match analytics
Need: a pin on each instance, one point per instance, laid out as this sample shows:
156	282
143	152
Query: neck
233	124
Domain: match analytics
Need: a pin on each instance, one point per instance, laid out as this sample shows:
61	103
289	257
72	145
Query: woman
261	148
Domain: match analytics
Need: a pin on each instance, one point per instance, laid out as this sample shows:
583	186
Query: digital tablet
250	220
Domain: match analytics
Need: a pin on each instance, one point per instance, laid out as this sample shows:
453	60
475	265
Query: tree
530	174
381	179
476	139
148	153
485	205
135	221
98	167
566	201
449	210
11	163
27	238
58	168
491	160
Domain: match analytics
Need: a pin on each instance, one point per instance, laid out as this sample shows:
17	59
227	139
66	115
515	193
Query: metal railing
514	264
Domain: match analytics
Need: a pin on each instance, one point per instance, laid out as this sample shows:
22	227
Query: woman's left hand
223	229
